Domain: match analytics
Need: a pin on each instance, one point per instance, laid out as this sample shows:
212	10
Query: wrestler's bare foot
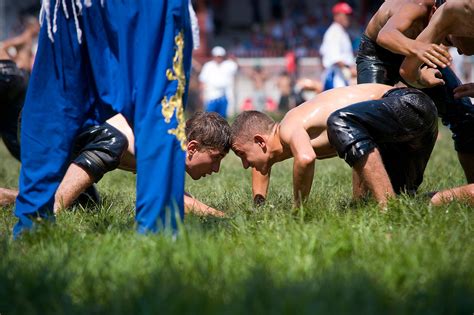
465	193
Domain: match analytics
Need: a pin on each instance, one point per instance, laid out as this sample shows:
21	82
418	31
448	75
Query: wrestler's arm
392	37
192	205
16	41
440	26
303	162
423	77
260	184
12	42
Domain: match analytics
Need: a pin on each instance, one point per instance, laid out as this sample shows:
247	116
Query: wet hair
210	129
249	123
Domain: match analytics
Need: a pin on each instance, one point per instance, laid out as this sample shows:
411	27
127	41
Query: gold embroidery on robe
175	102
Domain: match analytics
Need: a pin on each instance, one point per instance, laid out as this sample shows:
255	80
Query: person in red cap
341	7
336	49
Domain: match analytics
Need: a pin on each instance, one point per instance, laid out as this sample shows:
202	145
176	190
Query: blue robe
131	57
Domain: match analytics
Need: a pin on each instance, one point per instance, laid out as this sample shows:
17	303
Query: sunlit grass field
329	257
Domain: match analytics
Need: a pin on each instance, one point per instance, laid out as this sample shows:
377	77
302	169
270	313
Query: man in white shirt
217	78
336	49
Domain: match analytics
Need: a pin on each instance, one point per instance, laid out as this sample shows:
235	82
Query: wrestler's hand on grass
433	55
258	200
429	77
464	90
192	205
212	212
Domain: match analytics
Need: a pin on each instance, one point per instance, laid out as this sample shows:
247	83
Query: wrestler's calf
100	149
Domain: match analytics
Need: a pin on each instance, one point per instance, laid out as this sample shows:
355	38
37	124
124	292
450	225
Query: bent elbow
305	159
383	38
407	74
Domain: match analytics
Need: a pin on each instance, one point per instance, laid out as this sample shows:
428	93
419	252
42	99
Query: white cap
218	51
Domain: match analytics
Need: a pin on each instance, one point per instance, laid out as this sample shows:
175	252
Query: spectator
217	80
194	100
258	77
336	49
287	99
231	66
306	89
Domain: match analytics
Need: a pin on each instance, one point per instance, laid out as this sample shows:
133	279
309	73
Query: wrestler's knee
102	152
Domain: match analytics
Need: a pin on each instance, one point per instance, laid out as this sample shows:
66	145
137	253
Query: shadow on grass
46	290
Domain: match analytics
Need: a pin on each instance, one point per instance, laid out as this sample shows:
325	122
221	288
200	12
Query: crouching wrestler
385	134
103	148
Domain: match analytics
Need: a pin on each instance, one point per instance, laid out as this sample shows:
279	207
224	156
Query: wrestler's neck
277	151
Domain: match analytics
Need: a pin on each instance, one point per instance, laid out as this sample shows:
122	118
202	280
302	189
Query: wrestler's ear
192	147
260	141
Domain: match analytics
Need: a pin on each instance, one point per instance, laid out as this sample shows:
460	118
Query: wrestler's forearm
303	173
260	184
410	71
16	41
192	205
436	31
396	42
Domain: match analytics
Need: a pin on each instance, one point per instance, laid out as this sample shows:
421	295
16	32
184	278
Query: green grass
330	257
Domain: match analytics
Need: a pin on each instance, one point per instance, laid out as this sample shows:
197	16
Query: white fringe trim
194	26
76	21
66	13
55	19
52	26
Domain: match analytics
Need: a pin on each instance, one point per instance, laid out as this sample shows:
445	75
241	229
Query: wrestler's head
250	134
465	46
208	142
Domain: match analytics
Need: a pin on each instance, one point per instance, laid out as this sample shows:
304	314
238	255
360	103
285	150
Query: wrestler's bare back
392	7
458	23
313	115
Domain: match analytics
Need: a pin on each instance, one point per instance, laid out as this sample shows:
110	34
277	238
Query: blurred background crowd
257	54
